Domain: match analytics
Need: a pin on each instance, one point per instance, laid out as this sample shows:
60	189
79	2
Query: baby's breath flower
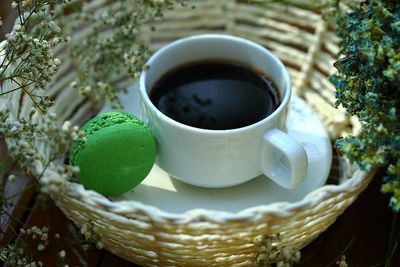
17	27
120	52
269	253
74	84
87	89
41	247
26	3
100	245
57	61
62	254
11	178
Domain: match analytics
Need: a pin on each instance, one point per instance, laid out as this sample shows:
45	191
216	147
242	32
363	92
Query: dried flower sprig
49	172
113	50
13	255
269	254
368	86
92	238
26	58
25	134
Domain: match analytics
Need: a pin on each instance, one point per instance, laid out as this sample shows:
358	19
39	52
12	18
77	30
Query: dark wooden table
365	233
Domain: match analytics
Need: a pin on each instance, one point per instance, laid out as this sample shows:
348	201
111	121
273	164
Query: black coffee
214	94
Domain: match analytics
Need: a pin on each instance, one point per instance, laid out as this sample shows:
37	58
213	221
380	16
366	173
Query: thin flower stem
10	91
8	63
20	15
4	169
392	229
392	247
2	213
11	227
14	76
30	95
26	23
12	217
17	88
21	191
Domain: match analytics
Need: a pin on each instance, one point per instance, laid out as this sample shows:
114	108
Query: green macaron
118	154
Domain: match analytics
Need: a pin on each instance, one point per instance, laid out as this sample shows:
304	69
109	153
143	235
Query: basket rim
126	208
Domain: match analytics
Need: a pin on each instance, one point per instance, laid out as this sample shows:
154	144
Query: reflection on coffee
215	94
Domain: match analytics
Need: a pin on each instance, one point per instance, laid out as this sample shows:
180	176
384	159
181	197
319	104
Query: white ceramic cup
221	158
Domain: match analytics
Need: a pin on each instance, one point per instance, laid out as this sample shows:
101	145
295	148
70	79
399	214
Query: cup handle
287	168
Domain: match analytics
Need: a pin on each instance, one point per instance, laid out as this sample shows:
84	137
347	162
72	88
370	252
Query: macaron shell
100	122
116	158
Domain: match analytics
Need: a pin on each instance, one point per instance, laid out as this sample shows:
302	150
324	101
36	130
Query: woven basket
151	237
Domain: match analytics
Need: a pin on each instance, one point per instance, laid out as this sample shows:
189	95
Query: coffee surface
215	94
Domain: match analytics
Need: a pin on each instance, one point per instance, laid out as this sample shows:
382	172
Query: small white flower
74	84
104	15
57	61
84	229
62	254
66	126
133	59
14	5
100	245
23	143
75	169
26	2
17	27
87	89
11	178
74	136
41	247
44	237
52	25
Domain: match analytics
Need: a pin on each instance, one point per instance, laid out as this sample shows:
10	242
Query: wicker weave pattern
151	237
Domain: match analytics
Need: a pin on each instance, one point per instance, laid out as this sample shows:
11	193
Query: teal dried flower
367	86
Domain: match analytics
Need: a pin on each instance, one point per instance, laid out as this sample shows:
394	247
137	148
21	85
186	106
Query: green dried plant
368	86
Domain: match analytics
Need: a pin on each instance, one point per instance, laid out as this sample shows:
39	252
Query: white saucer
170	195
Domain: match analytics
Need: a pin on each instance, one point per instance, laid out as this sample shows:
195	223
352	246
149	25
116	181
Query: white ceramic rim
284	101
